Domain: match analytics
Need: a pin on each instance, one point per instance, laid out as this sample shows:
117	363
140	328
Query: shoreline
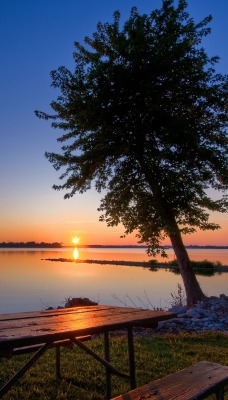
143	264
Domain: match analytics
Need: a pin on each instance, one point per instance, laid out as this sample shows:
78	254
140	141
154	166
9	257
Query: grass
155	357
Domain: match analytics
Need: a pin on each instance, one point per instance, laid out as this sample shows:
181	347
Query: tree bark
193	290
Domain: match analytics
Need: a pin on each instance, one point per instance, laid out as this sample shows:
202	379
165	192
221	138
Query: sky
37	37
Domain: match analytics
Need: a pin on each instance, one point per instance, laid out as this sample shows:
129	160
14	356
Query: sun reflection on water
75	254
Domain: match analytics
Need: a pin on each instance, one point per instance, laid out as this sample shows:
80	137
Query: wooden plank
85	314
194	382
75	321
47	313
47	326
80	320
72	310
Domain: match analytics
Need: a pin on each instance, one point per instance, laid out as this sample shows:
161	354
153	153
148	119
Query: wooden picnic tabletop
28	328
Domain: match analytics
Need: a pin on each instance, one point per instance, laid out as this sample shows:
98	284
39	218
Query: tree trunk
193	290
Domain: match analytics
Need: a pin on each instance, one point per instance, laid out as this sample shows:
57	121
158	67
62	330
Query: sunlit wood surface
29	328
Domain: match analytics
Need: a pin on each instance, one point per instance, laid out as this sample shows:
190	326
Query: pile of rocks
209	314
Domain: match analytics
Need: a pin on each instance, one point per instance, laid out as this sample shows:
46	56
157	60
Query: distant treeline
144	247
60	245
206	247
30	245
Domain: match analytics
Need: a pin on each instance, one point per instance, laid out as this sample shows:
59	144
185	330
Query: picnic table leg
107	370
220	394
57	363
4	389
131	357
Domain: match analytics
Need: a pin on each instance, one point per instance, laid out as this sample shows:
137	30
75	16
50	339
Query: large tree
144	119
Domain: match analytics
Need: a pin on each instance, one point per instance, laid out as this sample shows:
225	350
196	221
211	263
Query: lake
29	282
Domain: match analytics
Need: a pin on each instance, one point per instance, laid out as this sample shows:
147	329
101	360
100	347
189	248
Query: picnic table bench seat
59	343
193	383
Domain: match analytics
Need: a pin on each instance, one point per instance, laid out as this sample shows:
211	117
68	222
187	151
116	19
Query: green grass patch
155	357
204	267
205	264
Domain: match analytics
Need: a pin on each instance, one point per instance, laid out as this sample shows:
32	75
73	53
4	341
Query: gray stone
209	314
178	309
193	313
204	312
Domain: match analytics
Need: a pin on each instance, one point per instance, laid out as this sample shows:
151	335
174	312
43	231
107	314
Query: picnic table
40	331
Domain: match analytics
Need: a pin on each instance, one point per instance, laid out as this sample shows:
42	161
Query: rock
209	314
193	313
178	309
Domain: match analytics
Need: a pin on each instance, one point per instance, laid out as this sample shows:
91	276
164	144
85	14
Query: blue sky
37	37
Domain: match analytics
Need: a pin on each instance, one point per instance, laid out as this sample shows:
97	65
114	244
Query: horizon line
31	244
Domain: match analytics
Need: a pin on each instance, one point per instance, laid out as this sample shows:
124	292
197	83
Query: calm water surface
29	282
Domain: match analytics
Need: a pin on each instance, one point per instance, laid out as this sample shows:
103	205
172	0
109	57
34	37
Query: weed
179	298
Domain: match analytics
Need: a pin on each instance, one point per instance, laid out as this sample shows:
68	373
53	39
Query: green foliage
155	357
153	263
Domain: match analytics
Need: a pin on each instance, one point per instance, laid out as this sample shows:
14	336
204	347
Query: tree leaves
144	117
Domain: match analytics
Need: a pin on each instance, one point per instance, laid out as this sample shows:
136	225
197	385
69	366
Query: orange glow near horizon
97	233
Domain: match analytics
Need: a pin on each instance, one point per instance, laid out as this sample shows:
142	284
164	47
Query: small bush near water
204	267
155	357
204	264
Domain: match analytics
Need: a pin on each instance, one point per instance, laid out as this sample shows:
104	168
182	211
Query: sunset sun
75	240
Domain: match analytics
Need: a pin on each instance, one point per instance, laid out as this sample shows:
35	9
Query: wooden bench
195	382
